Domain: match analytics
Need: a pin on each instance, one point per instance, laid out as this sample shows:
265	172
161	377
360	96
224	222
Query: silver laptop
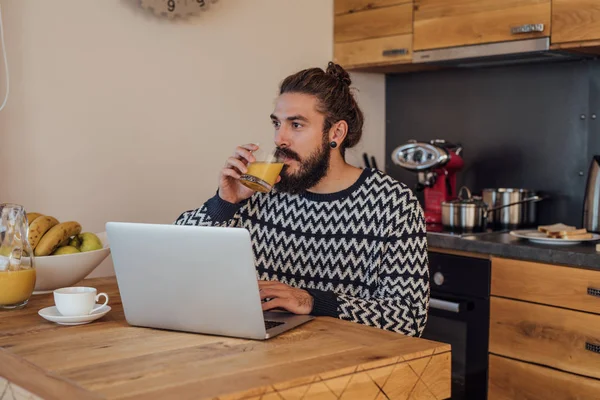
193	279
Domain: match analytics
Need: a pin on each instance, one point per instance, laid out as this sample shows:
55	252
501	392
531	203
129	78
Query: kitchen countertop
582	255
322	359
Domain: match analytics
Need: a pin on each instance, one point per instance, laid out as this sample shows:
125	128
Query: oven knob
438	278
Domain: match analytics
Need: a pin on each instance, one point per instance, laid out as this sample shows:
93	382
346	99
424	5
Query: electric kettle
591	203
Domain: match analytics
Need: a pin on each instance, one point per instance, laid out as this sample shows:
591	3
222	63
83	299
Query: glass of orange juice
262	173
17	269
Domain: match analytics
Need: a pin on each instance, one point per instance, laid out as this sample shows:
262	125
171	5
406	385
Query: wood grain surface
325	358
546	284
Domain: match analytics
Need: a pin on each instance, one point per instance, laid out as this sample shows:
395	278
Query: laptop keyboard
272	324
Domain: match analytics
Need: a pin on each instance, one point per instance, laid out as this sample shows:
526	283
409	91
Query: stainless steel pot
518	215
470	214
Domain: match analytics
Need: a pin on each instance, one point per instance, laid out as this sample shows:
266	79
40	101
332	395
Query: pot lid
474	201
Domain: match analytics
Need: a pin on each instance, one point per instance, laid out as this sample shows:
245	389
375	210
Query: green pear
65	250
75	242
89	242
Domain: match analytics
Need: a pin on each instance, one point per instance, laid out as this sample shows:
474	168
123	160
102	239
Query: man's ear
338	132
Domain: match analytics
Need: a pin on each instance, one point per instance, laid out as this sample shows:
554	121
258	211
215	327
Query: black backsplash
530	126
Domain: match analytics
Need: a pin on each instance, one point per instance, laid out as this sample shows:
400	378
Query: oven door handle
444	305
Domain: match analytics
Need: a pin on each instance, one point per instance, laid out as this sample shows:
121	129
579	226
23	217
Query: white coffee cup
77	301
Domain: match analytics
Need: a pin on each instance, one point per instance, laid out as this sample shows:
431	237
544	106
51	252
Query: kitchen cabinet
575	23
544	331
545	335
381	35
372	33
512	379
449	23
546	284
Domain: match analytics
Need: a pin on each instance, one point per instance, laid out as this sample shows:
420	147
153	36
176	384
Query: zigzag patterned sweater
361	253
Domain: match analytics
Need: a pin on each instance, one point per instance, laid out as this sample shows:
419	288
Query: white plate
52	314
541	238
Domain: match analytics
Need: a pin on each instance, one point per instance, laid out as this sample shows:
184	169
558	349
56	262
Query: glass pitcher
17	268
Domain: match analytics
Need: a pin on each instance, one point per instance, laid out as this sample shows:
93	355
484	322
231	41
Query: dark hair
335	100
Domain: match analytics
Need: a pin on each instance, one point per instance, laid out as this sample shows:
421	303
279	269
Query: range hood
495	54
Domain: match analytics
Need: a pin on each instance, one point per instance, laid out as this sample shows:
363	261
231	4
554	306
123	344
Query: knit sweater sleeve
401	298
215	212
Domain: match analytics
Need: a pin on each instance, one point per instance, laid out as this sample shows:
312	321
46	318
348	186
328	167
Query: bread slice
576	232
556	228
566	233
584	235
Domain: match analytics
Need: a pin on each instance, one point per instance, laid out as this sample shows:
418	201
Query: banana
31	216
55	236
38	228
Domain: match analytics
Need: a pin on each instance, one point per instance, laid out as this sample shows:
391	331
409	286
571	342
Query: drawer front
381	51
564	339
510	379
350	6
578	289
379	22
443	23
575	20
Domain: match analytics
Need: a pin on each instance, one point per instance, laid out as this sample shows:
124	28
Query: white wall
115	114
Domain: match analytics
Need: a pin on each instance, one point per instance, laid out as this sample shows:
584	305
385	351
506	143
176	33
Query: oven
459	314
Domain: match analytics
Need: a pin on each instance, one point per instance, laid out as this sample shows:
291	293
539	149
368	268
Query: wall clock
176	8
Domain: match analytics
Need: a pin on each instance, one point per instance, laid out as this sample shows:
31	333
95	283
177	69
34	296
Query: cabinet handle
527	28
594	292
594	348
394	52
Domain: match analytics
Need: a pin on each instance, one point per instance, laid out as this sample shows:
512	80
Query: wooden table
323	359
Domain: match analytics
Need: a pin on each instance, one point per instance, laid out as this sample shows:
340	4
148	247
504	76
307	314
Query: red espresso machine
436	164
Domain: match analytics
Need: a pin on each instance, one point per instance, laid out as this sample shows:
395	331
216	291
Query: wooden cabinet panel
448	23
349	6
545	335
547	284
379	22
575	20
510	379
370	52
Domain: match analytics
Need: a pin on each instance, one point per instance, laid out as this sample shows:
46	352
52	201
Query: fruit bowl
54	272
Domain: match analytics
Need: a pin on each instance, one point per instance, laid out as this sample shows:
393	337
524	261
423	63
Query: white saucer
42	291
52	314
541	238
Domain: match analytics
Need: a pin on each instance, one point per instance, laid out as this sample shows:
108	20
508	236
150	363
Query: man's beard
311	170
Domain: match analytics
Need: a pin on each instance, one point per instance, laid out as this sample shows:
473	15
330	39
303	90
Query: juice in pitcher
17	269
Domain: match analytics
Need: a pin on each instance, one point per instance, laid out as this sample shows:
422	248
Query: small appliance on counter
436	164
591	204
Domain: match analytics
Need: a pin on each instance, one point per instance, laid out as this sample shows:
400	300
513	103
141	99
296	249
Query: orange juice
16	286
261	176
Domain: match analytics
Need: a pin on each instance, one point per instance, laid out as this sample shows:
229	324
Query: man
330	239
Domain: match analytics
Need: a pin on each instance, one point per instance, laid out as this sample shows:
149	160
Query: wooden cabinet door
379	22
563	339
373	33
575	20
511	379
374	52
449	23
565	287
351	6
